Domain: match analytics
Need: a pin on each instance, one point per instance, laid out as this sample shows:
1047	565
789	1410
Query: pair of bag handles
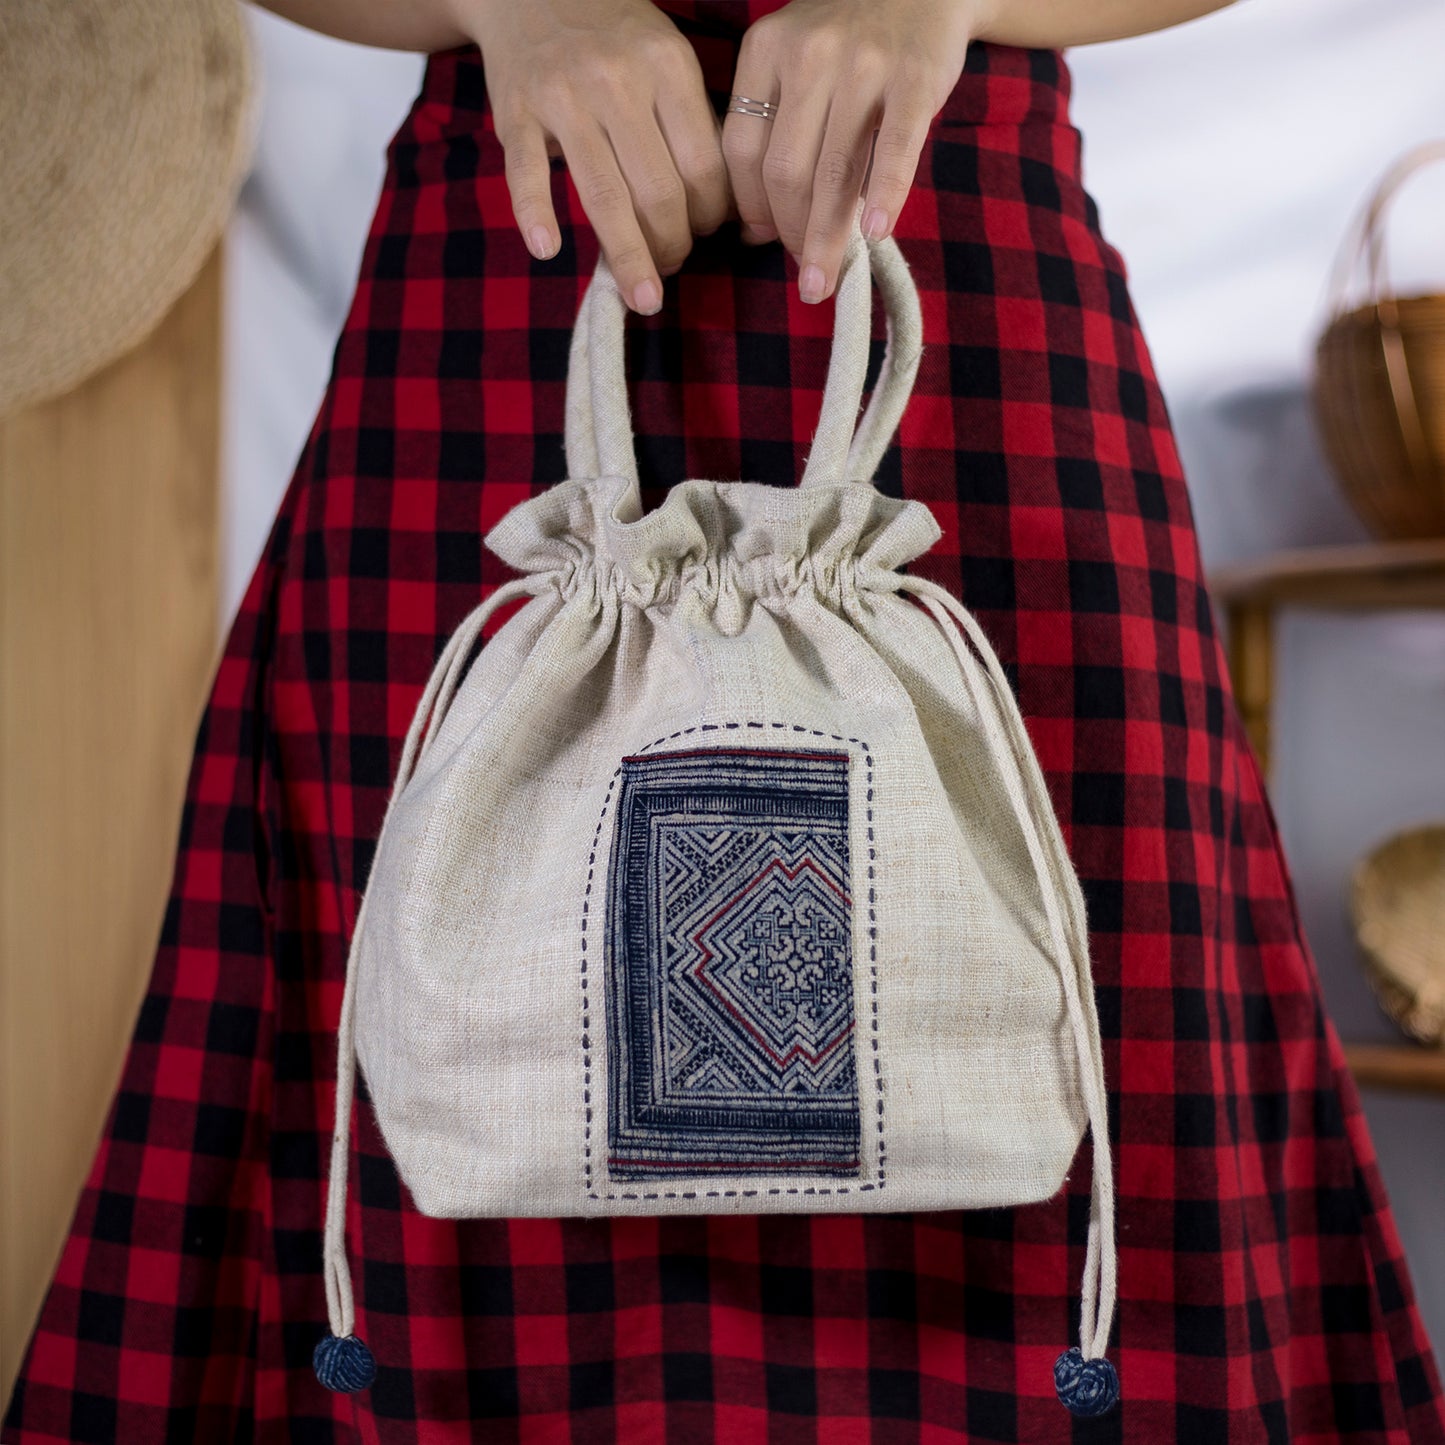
599	441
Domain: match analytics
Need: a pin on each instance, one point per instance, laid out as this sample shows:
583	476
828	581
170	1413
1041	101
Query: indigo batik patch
730	1023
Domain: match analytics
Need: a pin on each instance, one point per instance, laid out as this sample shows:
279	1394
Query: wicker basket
1379	384
1397	902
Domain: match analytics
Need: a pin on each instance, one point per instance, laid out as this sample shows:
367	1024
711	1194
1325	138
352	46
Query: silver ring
742	105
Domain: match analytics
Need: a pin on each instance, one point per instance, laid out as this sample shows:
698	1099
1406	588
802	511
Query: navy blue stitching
872	971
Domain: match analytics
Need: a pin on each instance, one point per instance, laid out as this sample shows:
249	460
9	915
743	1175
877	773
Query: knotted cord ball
344	1365
1085	1387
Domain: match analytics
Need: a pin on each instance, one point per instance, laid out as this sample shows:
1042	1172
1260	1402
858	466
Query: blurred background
1228	158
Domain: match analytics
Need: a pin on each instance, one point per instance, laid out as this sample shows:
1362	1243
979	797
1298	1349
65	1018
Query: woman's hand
838	70
614	88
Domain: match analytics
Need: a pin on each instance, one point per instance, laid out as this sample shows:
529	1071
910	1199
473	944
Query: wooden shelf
1374	576
1377	574
1409	1067
1405	575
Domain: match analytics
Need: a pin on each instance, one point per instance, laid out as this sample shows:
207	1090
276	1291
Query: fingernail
811	283
646	298
540	243
875	223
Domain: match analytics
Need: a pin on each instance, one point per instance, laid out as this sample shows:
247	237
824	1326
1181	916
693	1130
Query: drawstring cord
342	1362
1086	1382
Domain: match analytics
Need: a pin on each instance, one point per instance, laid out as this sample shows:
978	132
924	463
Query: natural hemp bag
725	879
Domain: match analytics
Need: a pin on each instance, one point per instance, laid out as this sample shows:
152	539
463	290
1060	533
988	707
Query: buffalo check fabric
1262	1292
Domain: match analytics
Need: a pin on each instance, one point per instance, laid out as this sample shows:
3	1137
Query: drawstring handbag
725	878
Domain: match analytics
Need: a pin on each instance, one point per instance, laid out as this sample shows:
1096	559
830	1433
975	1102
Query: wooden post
1251	649
108	637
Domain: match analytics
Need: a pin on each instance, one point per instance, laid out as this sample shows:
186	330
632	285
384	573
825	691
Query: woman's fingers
745	138
906	118
530	186
607	199
690	131
848	146
841	70
837	183
614	88
659	198
791	161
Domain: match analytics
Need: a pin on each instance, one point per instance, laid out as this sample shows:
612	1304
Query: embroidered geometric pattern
730	1025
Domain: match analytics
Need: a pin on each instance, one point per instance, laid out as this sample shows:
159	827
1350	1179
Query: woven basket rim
1367	313
154	112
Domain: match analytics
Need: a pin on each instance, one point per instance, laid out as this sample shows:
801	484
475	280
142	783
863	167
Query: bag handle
840	452
598	436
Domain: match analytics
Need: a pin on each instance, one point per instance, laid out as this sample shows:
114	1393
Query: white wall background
1228	157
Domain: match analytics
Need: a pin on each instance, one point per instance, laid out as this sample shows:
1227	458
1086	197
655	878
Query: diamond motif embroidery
729	967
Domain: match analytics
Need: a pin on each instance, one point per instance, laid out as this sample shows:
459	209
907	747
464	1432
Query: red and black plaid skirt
1263	1294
